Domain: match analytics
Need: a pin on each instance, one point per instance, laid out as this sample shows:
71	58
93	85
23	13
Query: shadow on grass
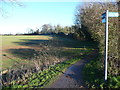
56	42
29	54
28	42
23	53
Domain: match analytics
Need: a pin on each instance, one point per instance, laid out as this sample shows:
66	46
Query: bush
89	16
94	77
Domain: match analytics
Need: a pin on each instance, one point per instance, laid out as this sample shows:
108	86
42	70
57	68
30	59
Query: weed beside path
94	76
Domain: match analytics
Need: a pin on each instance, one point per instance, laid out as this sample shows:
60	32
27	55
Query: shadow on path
57	42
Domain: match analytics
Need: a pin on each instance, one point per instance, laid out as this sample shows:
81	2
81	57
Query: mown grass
94	76
9	40
14	47
21	51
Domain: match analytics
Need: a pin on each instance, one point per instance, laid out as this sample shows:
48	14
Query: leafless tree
10	3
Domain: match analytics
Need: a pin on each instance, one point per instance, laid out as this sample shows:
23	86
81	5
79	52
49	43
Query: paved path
72	77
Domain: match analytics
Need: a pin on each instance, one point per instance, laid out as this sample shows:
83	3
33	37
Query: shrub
89	16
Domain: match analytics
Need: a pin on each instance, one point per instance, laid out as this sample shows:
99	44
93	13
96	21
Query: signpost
105	20
113	14
103	15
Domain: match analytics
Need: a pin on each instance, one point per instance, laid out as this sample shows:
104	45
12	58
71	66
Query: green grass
8	41
94	76
18	44
23	47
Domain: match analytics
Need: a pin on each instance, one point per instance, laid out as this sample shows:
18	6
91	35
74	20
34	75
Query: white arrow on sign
103	15
113	14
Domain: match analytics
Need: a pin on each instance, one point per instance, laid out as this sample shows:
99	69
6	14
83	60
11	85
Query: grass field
39	53
22	48
13	41
17	46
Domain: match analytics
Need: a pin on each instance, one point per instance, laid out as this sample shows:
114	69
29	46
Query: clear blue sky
35	14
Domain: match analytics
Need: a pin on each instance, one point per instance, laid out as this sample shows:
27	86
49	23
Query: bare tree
8	3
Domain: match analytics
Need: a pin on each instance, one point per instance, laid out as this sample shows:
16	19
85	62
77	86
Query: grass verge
94	76
43	78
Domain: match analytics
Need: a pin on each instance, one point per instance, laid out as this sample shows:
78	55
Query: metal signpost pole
105	20
106	43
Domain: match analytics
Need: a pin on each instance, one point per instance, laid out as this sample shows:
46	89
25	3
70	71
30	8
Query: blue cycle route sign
103	20
103	17
110	14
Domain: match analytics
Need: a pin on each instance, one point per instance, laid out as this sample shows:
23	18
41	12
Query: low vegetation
89	17
51	58
42	78
94	76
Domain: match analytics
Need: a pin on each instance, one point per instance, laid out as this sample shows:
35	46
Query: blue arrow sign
103	20
113	14
103	15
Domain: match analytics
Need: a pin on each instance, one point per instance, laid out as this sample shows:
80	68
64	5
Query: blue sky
35	14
